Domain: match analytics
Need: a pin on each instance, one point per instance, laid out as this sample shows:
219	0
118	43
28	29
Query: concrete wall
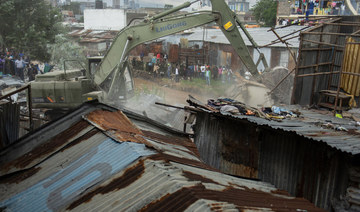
106	19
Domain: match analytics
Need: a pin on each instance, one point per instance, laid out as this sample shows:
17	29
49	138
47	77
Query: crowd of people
159	66
19	65
316	7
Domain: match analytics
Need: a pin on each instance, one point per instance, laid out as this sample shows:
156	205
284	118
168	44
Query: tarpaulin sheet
351	83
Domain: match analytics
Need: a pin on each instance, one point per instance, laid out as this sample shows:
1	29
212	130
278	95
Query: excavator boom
162	25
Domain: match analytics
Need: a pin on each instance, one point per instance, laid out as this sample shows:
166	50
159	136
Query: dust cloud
149	90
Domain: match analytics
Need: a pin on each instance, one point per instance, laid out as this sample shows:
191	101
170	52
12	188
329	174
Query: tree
29	26
65	49
265	12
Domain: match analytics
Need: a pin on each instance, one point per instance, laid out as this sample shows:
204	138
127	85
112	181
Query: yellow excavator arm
162	25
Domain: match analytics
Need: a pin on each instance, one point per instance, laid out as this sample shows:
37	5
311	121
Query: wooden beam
342	24
330	33
316	49
323	43
315	65
316	74
350	73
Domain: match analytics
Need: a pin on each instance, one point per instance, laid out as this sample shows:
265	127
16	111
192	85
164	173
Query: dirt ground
169	92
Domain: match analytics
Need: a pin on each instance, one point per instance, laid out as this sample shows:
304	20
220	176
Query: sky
159	3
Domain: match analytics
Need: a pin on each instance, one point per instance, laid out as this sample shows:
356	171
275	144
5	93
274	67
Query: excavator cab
123	88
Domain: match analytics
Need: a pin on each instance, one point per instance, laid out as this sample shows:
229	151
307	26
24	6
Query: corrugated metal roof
261	36
90	36
161	186
82	168
310	126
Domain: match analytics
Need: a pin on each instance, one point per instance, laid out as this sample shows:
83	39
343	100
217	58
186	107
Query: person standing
2	64
342	9
207	75
203	69
177	73
230	75
142	56
169	71
19	65
158	56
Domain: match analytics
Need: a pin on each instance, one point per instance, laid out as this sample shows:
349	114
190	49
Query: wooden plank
316	74
323	43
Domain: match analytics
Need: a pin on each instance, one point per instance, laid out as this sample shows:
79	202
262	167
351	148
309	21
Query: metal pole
282	80
287	46
339	83
30	108
14	92
203	45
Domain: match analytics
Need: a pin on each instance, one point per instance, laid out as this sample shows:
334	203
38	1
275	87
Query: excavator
109	79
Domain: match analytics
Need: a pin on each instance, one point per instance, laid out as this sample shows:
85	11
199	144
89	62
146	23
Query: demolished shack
306	153
99	158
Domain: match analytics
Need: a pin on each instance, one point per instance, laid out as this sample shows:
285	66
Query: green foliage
29	26
265	12
65	49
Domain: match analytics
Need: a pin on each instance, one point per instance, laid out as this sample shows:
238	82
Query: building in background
116	4
294	9
99	4
103	19
239	6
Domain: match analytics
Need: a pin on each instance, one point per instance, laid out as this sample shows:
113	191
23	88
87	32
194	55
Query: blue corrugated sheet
93	167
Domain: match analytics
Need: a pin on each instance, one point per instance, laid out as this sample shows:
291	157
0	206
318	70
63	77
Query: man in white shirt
19	71
177	74
203	69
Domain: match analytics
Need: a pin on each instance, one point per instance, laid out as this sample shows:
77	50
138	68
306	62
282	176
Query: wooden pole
297	69
330	33
342	24
282	80
333	61
278	41
317	74
323	43
287	46
316	68
316	49
339	84
315	65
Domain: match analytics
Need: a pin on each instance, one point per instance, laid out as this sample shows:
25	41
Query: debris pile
230	106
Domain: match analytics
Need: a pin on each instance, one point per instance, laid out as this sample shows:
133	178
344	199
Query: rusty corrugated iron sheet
9	123
79	130
159	172
311	125
116	125
285	153
159	186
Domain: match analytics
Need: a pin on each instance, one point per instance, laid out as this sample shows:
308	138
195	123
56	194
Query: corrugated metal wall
302	167
329	59
293	163
236	154
9	123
